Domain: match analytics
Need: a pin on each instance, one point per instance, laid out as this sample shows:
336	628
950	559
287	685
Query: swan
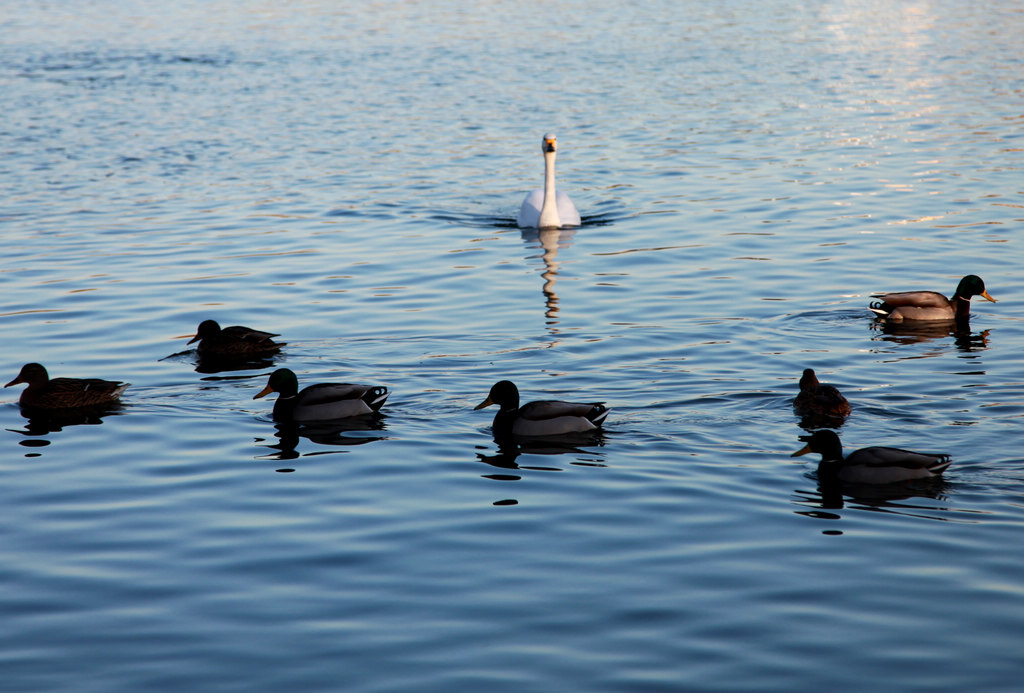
545	207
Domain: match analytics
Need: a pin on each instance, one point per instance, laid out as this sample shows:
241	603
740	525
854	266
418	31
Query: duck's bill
802	451
984	294
486	403
263	393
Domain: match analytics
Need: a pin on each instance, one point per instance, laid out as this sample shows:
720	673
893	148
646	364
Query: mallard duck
64	393
819	399
323	401
930	305
874	465
543	418
545	207
235	341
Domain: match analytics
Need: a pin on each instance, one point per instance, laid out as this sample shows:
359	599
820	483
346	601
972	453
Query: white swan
545	208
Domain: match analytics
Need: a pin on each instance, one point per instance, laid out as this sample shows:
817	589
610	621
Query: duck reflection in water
915	333
344	432
511	449
41	422
210	364
508	461
888	498
216	364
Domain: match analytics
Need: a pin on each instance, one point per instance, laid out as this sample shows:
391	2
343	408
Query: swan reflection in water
344	432
550	240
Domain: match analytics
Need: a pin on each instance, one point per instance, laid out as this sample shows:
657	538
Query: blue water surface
348	175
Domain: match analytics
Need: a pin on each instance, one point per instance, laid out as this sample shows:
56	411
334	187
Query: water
348	175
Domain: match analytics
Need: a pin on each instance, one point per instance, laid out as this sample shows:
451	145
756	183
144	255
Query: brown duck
817	399
64	393
235	341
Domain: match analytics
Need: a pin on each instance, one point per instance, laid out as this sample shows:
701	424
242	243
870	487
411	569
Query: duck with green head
873	465
541	418
321	402
923	306
44	392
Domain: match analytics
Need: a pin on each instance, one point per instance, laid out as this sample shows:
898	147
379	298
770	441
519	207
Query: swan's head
549	143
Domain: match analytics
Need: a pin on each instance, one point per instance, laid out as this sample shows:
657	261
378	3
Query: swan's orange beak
549	145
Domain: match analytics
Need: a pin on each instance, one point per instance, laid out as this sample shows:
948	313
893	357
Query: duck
930	305
234	341
64	393
873	465
320	402
546	207
819	399
541	418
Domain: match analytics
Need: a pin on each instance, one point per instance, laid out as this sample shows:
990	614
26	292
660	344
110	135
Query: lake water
348	174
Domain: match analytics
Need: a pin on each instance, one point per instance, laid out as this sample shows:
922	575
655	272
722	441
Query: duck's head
972	285
281	381
30	373
549	143
207	328
504	393
808	380
824	442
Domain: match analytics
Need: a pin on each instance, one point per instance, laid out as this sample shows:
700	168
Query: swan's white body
546	207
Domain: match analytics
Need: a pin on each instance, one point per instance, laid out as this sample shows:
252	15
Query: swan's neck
549	211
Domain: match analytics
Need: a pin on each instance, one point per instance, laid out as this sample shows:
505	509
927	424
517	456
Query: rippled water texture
348	175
